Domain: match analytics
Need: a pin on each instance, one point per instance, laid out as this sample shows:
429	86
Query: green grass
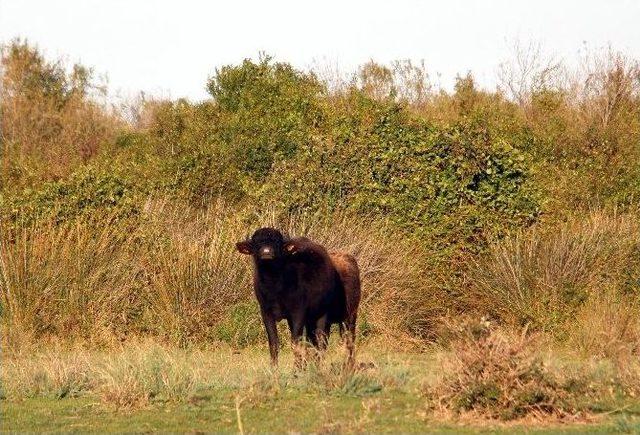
214	411
387	394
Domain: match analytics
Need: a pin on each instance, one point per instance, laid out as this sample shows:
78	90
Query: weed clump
136	378
495	375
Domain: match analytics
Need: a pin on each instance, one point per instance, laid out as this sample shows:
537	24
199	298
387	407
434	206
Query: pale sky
169	48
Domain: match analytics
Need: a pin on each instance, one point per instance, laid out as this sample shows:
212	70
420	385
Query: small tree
51	119
268	110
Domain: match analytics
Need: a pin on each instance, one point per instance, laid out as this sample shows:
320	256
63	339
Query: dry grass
174	273
49	374
193	271
607	326
74	279
487	374
135	377
566	280
131	376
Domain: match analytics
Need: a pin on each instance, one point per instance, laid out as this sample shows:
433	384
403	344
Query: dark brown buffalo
298	280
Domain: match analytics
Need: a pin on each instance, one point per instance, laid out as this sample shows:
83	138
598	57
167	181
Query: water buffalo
298	280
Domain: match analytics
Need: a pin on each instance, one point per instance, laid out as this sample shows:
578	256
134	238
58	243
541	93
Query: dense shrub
415	183
268	111
587	132
201	177
458	183
180	127
86	191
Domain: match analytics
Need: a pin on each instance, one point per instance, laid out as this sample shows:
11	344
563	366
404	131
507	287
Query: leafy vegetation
518	205
454	184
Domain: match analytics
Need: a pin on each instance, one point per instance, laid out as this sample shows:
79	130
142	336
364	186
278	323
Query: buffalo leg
296	326
311	334
272	336
350	337
318	335
312	339
322	333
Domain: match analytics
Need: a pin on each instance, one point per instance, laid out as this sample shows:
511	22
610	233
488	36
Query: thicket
454	202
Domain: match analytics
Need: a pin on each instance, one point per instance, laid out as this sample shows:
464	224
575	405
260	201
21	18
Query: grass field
392	412
149	387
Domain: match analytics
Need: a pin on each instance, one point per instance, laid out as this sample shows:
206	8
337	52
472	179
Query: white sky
169	48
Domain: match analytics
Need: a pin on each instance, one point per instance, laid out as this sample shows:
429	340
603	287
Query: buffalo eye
291	248
245	247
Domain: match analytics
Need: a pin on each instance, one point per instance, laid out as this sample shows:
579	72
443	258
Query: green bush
84	192
180	127
261	113
200	177
458	183
268	110
52	120
241	325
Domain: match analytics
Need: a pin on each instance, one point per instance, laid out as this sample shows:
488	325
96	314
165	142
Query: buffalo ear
290	247
245	247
